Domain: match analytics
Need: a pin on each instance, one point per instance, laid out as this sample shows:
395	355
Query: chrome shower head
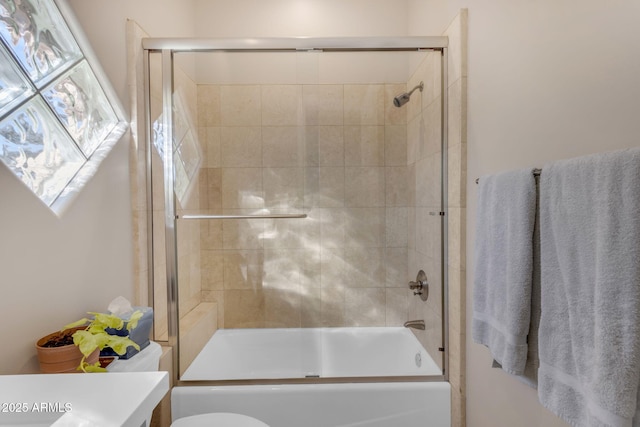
402	99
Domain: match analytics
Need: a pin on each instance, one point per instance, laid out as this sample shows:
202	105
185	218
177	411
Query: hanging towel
530	374
589	335
503	266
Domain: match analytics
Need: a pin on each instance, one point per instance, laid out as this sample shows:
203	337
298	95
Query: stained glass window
56	120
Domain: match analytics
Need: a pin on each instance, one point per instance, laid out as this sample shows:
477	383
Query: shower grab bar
274	216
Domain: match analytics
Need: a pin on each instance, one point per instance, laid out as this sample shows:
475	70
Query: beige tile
210	141
242	233
365	306
457	46
282	146
332	307
394	115
411	228
210	181
323	104
396	186
243	269
428	181
431	127
208	105
290	233
457	237
324	187
364	267
364	186
211	234
310	269
397	307
432	79
241	146
365	227
396	227
242	188
311	146
331	191
281	105
216	297
396	266
240	105
411	185
196	328
395	145
364	104
455	112
332	268
332	227
244	309
415	136
309	229
330	146
364	145
282	188
427	232
212	270
457	175
282	309
281	270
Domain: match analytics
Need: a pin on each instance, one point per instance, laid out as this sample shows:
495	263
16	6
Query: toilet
218	419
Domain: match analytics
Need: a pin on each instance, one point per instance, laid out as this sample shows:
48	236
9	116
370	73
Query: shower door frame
167	47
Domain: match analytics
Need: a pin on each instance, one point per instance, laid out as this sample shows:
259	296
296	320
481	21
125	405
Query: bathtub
317	353
233	354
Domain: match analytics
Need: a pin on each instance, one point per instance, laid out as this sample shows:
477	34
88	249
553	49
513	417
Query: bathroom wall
547	81
55	269
336	152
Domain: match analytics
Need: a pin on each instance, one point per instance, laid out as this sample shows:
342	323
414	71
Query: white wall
547	80
104	24
55	269
293	18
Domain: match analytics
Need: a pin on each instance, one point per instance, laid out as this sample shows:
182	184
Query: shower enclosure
297	185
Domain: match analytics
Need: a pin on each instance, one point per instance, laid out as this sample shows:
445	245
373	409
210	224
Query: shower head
402	99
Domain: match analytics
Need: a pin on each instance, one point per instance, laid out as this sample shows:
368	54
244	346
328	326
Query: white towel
503	266
589	336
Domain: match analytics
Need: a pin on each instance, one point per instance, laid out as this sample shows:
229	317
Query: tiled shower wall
339	154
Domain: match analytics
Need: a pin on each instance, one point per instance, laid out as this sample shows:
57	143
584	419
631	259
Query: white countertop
87	400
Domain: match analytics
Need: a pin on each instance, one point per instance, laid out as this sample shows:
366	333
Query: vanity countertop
88	400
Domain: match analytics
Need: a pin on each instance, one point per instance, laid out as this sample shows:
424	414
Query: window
57	122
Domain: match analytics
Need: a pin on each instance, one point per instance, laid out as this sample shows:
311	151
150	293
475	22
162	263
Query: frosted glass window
35	147
14	87
38	37
57	120
82	107
187	155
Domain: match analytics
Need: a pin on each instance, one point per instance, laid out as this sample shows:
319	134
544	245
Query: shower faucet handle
420	286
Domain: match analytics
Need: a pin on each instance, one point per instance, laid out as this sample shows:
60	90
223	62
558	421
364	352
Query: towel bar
536	172
274	216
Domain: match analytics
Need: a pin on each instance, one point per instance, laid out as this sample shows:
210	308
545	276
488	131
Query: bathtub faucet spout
416	324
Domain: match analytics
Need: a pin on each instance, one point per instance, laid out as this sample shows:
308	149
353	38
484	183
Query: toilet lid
218	419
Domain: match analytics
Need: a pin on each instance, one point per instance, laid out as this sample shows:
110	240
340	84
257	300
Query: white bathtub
318	352
419	404
311	352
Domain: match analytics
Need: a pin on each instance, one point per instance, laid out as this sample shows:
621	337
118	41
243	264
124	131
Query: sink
88	400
